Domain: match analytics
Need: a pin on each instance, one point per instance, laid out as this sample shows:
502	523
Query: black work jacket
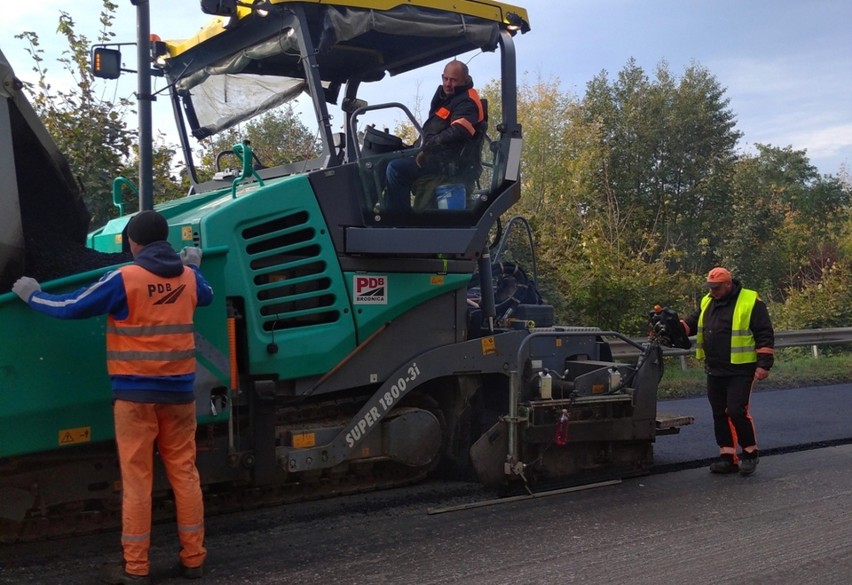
453	120
718	321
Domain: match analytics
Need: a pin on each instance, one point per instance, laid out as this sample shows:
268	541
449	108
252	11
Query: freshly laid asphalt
784	420
789	523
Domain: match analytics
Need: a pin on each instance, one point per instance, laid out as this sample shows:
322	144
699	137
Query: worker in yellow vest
735	338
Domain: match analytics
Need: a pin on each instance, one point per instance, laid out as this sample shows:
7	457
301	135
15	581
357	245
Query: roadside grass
792	369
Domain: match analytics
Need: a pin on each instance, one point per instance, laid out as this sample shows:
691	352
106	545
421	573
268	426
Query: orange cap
717	276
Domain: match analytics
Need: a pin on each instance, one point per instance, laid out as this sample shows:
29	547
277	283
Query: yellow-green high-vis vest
742	340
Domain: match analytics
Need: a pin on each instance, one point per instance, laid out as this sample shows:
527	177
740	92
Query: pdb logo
370	290
165	292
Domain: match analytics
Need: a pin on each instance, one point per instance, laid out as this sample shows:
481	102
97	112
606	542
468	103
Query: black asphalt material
786	420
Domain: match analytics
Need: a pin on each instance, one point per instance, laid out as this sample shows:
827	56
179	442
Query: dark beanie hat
146	227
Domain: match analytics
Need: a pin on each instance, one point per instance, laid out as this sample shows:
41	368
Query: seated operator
456	116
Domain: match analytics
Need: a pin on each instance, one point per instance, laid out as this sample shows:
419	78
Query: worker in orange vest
151	362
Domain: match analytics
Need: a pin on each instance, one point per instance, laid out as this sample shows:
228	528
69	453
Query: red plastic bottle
561	436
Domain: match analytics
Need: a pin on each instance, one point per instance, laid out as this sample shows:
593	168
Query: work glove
25	286
191	255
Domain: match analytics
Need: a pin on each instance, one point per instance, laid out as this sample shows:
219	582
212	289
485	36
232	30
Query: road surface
789	523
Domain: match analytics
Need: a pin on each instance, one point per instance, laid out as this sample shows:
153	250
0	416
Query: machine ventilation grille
289	273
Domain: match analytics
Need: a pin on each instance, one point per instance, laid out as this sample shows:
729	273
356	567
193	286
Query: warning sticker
489	346
370	290
75	436
302	440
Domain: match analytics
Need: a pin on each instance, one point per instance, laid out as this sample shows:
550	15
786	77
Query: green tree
277	137
826	302
670	151
788	221
593	266
636	190
625	187
89	129
169	182
558	149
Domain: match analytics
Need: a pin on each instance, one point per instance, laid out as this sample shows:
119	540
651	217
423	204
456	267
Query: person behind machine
455	118
151	363
734	336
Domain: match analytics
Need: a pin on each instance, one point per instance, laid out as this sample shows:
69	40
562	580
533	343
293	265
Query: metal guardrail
795	338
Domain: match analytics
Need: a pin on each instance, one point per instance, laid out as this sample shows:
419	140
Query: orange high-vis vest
157	338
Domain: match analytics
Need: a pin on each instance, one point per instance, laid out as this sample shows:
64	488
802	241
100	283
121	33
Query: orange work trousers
138	426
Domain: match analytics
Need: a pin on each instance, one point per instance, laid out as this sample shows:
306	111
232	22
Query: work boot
725	464
191	572
114	574
748	462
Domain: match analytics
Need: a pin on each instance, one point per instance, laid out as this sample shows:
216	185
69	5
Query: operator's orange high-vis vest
157	338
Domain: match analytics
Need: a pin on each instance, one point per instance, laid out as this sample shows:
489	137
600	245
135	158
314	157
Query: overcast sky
786	64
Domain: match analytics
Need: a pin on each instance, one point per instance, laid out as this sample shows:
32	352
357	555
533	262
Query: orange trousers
138	427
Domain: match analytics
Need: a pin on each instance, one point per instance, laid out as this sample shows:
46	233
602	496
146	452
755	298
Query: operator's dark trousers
400	174
729	397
